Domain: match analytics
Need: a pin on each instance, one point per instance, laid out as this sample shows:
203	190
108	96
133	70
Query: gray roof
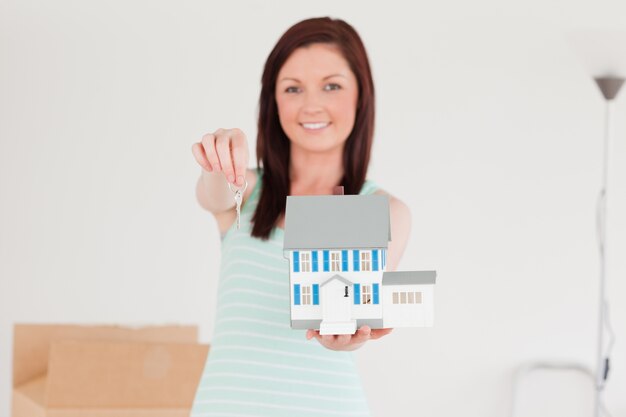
409	277
337	221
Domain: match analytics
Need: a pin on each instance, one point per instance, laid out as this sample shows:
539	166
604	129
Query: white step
338	327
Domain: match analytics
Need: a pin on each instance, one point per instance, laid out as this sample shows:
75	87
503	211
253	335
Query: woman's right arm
223	156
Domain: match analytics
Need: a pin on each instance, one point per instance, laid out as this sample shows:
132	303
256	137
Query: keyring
242	189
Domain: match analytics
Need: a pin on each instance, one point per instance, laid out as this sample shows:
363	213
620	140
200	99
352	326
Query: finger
310	334
327	339
208	144
378	333
199	155
222	145
343	339
240	155
316	335
362	335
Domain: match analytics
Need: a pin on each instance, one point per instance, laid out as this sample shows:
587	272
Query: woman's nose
312	110
313	103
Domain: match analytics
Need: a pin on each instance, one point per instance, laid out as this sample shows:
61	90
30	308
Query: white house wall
314	312
307	312
408	315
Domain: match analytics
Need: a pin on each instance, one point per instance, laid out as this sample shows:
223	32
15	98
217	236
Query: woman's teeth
314	126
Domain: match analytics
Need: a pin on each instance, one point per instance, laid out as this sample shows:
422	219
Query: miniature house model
337	247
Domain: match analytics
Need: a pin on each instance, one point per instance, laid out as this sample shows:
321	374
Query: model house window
366	261
305	261
366	294
410	297
306	295
335	261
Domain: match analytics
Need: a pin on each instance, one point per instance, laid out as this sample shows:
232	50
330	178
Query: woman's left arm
400	232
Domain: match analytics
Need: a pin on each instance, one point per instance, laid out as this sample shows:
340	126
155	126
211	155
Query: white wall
488	127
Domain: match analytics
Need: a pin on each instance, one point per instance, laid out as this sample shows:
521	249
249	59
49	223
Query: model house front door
336	301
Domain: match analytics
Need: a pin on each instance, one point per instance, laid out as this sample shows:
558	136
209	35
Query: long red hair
273	146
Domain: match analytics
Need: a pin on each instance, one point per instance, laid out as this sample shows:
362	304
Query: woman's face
317	93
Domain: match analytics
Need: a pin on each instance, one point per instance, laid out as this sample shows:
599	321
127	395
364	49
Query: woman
315	131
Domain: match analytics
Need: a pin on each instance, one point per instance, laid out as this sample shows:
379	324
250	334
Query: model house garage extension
337	248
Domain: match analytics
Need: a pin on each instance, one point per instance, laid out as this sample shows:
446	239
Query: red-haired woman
315	131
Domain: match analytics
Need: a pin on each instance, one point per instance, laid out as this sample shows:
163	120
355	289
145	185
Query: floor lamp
610	87
603	53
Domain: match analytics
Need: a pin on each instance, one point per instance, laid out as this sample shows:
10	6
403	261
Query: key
238	199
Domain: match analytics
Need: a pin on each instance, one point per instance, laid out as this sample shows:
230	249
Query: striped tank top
257	365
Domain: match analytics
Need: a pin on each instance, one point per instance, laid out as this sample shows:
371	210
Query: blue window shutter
314	261
375	260
384	253
375	293
355	254
357	293
326	268
296	294
316	294
296	261
344	260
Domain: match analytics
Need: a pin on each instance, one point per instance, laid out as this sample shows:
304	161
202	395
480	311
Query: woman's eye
332	86
291	90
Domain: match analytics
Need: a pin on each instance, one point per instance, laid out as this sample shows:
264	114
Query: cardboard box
104	371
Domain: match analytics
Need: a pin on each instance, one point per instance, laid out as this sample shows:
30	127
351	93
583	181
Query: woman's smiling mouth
315	126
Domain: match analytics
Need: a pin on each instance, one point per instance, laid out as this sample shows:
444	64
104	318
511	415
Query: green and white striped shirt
257	365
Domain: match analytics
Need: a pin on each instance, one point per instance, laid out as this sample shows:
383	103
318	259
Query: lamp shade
603	54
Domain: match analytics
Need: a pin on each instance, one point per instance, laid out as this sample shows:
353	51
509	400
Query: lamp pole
609	86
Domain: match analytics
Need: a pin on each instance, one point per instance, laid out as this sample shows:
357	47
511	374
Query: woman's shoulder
372	187
400	215
398	209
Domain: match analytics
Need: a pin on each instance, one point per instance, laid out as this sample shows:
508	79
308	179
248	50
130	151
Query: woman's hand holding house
347	342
